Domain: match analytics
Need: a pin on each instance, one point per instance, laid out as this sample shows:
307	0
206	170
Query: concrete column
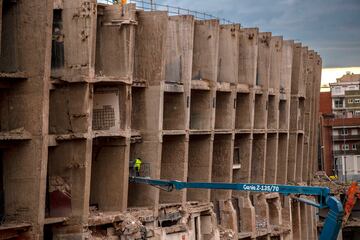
148	105
241	174
271	161
174	166
309	114
228	64
222	172
299	157
152	28
292	156
200	165
206	50
285	84
264	58
248	55
304	221
115	30
79	29
24	108
296	221
282	157
276	48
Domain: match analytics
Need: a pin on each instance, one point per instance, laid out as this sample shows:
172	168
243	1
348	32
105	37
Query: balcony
346	137
346	152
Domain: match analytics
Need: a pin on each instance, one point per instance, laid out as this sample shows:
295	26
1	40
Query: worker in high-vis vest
137	166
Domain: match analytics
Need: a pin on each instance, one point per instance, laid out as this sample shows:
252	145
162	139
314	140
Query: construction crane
333	220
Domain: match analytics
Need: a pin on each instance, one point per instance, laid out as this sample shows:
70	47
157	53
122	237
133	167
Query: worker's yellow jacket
137	164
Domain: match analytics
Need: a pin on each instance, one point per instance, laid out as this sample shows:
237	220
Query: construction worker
137	166
333	177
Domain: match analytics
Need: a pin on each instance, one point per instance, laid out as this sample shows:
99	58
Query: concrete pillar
309	114
304	221
242	174
200	165
276	48
228	64
24	108
264	58
79	29
248	55
149	67
173	166
271	161
296	221
147	114
206	50
282	157
115	30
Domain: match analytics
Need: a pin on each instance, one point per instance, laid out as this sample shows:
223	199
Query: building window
356	100
338	103
344	132
339	166
337	90
345	147
350	100
354	146
350	165
336	147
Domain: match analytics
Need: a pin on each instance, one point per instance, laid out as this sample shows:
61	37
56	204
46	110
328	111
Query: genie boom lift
333	220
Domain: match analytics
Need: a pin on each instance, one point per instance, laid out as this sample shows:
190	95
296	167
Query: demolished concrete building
87	87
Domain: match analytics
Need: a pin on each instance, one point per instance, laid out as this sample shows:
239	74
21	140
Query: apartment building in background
340	128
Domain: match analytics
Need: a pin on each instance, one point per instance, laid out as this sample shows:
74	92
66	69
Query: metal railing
149	5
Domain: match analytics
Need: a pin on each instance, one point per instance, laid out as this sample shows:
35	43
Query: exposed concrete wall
276	48
109	159
71	161
228	53
244	103
282	163
206	50
224	118
201	110
258	158
180	46
271	164
150	58
78	19
264	59
248	55
195	100
115	30
25	162
222	164
173	164
200	164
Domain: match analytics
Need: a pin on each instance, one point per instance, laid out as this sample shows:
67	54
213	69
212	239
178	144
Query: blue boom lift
333	220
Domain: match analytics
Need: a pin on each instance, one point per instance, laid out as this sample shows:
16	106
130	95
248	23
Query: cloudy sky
331	27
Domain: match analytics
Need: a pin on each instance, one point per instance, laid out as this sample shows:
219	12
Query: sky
330	27
329	75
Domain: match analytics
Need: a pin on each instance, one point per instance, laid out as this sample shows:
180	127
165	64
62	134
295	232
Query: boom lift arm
333	220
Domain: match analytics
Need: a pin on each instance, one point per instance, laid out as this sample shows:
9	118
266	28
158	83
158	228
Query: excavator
352	195
333	221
